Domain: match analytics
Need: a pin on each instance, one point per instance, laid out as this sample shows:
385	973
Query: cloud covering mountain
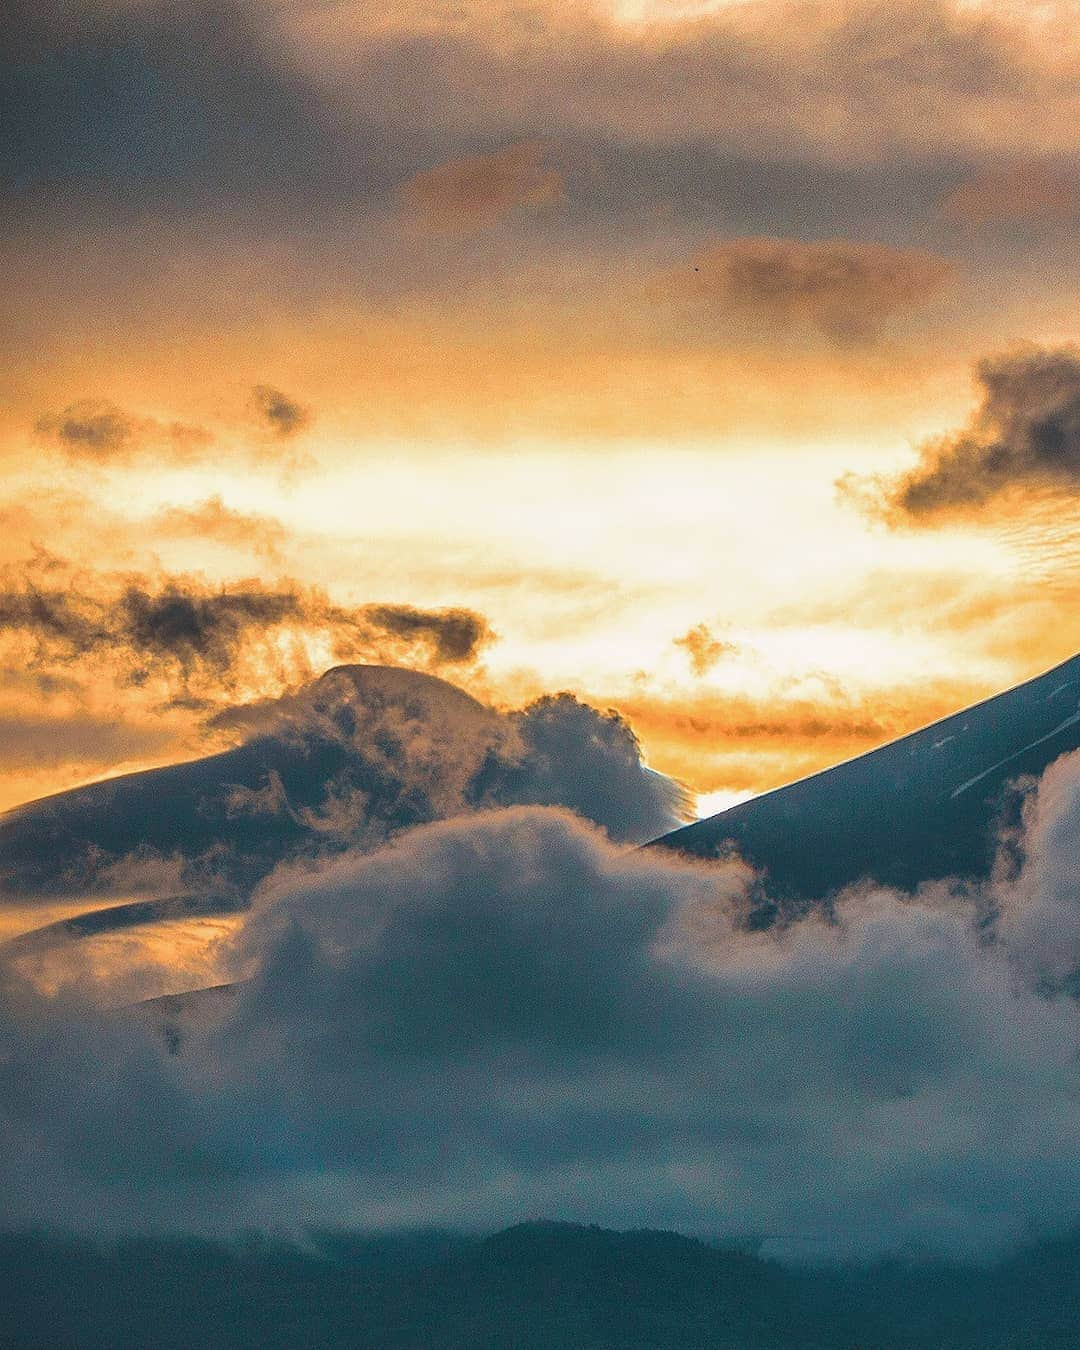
506	1014
353	337
364	752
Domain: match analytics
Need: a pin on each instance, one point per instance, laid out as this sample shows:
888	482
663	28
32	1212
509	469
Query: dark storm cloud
1024	435
278	412
455	634
504	1016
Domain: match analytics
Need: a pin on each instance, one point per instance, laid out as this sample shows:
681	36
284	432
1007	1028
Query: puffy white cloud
1040	920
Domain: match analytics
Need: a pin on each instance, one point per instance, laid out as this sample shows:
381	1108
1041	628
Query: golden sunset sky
713	361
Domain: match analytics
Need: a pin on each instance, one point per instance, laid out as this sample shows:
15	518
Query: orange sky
625	327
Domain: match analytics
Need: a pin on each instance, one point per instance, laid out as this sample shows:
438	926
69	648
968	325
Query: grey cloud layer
221	98
505	1015
283	158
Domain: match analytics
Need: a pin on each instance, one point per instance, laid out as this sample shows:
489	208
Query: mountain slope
929	805
357	756
246	808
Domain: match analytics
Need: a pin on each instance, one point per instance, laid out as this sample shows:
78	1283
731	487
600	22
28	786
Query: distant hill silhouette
539	1286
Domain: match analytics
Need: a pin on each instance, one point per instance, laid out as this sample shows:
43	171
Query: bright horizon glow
708	804
586	355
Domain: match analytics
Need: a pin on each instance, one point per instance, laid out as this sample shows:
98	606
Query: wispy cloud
846	290
481	190
279	413
195	637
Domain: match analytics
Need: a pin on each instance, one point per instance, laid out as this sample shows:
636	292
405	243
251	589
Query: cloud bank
222	97
506	1015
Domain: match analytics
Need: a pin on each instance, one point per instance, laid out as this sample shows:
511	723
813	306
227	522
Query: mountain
930	805
367	751
351	759
538	1286
233	815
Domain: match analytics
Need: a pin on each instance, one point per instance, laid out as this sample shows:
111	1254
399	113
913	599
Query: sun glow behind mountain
652	358
445	448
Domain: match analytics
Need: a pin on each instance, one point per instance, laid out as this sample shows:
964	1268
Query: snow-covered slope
929	805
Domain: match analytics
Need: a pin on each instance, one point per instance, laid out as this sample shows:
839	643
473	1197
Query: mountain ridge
930	805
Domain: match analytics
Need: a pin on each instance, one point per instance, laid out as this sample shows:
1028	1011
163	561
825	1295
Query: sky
712	362
693	389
